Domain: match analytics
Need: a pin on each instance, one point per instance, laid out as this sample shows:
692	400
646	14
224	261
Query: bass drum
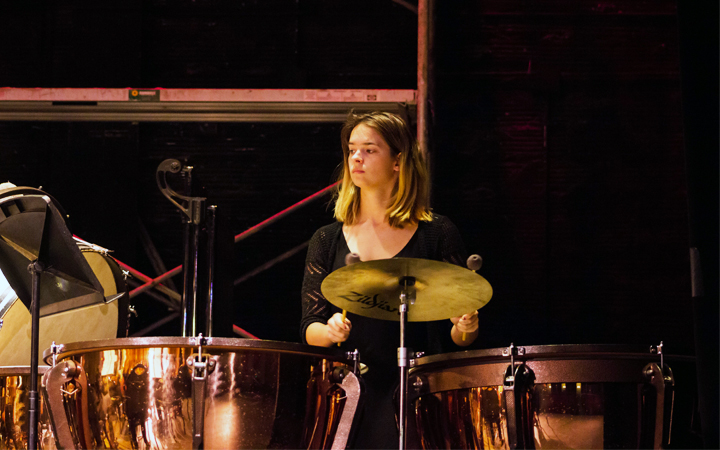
158	393
113	281
563	396
14	407
102	321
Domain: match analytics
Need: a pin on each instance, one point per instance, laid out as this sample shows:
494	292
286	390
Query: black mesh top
378	340
437	240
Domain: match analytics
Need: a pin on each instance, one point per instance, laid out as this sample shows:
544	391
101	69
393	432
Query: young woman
382	212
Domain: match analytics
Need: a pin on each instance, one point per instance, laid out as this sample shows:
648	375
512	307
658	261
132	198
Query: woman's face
371	162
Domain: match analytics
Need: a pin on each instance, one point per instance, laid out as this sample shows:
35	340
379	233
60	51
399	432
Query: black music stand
43	264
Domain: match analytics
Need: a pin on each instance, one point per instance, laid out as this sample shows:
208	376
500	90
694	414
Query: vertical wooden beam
698	32
425	77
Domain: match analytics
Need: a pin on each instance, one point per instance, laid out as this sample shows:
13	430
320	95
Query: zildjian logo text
369	302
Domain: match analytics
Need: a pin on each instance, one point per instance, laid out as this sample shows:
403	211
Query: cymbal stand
210	226
407	296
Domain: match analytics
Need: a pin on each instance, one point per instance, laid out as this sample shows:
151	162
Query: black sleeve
450	246
315	308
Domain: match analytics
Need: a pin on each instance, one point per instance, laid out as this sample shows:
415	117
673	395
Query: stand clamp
355	358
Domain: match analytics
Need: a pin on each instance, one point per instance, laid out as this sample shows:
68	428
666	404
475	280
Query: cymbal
372	289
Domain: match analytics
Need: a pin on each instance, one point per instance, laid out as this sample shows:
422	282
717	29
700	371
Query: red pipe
152	282
244	333
254	229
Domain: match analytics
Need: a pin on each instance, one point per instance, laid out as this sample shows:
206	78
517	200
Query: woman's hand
467	324
338	329
325	335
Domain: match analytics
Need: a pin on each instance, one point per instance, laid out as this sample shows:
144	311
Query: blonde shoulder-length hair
410	196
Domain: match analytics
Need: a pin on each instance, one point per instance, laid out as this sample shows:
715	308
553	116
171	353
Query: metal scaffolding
231	105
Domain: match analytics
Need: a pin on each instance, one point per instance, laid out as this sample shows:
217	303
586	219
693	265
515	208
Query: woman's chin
357	181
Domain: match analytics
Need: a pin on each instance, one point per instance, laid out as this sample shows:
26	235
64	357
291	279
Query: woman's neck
373	206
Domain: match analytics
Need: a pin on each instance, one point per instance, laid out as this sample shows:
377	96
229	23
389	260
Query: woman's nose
356	155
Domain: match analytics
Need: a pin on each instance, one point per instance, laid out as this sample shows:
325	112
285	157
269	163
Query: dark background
560	146
575	147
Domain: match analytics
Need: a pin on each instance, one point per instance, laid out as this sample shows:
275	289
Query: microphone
474	262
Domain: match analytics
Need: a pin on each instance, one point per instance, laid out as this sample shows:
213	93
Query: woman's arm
452	250
317	326
315	308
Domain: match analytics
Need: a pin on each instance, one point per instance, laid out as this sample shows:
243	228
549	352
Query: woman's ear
396	168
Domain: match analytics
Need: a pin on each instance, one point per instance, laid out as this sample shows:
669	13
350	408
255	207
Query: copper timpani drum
14	406
182	393
563	396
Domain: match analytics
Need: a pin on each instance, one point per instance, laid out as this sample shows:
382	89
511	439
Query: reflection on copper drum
14	406
174	393
544	397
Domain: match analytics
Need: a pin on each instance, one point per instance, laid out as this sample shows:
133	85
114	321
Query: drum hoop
20	370
211	343
539	352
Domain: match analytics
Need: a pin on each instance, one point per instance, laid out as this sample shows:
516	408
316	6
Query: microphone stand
194	212
35	268
211	230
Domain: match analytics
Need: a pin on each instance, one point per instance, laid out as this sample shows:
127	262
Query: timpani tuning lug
517	383
660	381
511	352
55	350
54	381
658	349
